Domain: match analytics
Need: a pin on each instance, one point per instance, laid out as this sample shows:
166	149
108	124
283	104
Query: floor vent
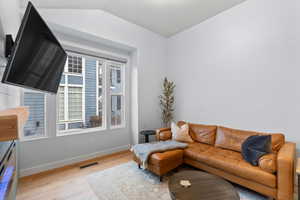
88	165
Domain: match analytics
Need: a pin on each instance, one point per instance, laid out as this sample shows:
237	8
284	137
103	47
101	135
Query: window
70	95
75	64
91	95
116	94
118	76
83	91
35	125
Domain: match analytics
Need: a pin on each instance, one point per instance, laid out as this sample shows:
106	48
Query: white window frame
106	123
66	121
28	138
122	94
66	69
58	93
51	127
67	102
104	92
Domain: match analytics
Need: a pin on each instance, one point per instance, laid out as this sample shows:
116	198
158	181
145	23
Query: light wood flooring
67	183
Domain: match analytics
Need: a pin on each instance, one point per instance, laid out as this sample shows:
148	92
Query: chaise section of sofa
217	150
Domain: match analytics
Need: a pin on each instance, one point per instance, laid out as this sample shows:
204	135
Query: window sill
117	127
79	131
90	130
75	132
27	139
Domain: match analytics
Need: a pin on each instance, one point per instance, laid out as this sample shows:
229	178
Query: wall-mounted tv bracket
9	43
7	47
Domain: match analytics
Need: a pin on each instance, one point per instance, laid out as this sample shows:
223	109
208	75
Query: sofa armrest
286	171
163	134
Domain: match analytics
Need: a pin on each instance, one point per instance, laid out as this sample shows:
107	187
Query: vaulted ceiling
165	17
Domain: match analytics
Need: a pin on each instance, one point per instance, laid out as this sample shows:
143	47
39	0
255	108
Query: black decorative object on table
147	133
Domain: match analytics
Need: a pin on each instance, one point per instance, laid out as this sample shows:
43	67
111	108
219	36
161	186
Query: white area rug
127	182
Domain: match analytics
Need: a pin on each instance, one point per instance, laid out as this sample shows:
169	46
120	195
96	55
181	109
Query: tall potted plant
166	101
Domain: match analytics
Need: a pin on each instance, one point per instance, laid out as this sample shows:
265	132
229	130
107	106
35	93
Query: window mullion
97	87
123	100
66	117
66	102
107	95
83	89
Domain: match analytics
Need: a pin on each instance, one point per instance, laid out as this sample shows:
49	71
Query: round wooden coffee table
204	186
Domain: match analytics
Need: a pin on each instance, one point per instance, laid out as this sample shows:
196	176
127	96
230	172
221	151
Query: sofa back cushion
181	134
233	139
278	141
203	133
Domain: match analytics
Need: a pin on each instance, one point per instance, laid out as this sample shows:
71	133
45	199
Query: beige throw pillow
181	134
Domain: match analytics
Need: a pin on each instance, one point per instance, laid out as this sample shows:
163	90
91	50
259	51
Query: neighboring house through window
36	123
90	92
117	94
70	95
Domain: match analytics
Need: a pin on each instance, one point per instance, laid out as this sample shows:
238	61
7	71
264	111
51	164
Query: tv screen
37	59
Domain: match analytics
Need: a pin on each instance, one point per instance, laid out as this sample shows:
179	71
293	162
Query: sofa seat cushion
229	161
165	158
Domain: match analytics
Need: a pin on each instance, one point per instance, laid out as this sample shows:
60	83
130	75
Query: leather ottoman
162	163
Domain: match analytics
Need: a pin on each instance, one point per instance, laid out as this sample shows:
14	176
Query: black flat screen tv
37	59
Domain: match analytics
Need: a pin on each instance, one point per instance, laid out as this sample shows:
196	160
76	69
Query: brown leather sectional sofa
217	150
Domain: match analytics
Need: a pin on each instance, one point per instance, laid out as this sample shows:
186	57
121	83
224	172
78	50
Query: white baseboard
69	161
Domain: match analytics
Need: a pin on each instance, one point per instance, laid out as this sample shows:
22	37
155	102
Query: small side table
147	133
298	176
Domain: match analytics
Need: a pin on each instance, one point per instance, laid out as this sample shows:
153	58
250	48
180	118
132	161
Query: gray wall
237	69
43	154
241	68
146	53
56	151
9	21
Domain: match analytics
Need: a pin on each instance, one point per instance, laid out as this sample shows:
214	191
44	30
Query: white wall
238	69
9	21
148	69
151	51
241	68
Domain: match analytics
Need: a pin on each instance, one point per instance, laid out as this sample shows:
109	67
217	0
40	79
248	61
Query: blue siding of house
90	89
36	104
77	80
